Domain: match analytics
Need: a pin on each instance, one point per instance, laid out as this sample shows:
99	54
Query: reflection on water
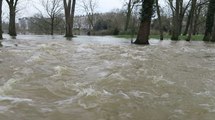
106	78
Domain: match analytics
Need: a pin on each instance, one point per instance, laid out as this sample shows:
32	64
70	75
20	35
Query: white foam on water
115	75
209	108
14	99
43	46
35	58
2	108
137	94
205	93
84	93
204	105
158	79
25	71
125	116
125	96
166	95
84	49
140	58
67	101
103	74
125	55
176	114
59	70
134	57
87	106
88	92
188	49
8	85
78	87
179	111
106	93
143	95
44	110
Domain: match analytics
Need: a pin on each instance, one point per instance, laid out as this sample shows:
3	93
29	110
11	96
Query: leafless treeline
170	17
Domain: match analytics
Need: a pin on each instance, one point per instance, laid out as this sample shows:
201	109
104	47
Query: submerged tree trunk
213	35
192	11
182	10
0	20
12	22
178	12
52	25
175	32
69	16
187	25
53	9
197	14
89	6
67	8
143	33
209	21
144	30
73	13
160	21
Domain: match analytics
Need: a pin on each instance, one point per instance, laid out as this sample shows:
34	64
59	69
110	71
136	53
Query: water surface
105	78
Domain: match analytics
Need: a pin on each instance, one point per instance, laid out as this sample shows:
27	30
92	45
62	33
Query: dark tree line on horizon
190	12
210	29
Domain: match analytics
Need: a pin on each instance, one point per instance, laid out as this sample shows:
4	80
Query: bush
116	31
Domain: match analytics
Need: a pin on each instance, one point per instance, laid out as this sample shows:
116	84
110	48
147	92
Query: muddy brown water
105	78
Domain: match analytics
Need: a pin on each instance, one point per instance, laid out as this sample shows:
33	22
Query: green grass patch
193	38
166	37
125	36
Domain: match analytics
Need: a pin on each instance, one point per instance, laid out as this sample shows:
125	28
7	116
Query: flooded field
105	78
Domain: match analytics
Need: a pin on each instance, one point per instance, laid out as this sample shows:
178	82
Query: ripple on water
8	86
14	100
60	80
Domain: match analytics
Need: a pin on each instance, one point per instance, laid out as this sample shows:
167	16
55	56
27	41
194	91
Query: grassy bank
166	37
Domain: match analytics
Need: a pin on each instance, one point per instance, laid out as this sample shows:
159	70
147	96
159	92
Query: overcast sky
102	5
27	7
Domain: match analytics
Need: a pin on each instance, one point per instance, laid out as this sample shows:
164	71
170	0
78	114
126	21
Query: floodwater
105	78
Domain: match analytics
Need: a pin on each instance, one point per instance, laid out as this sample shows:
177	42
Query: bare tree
40	25
12	22
146	15
210	22
178	11
53	9
78	23
130	7
192	11
69	9
198	13
1	19
187	24
159	19
89	7
175	12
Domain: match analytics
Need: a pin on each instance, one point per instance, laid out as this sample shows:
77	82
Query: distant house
23	25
